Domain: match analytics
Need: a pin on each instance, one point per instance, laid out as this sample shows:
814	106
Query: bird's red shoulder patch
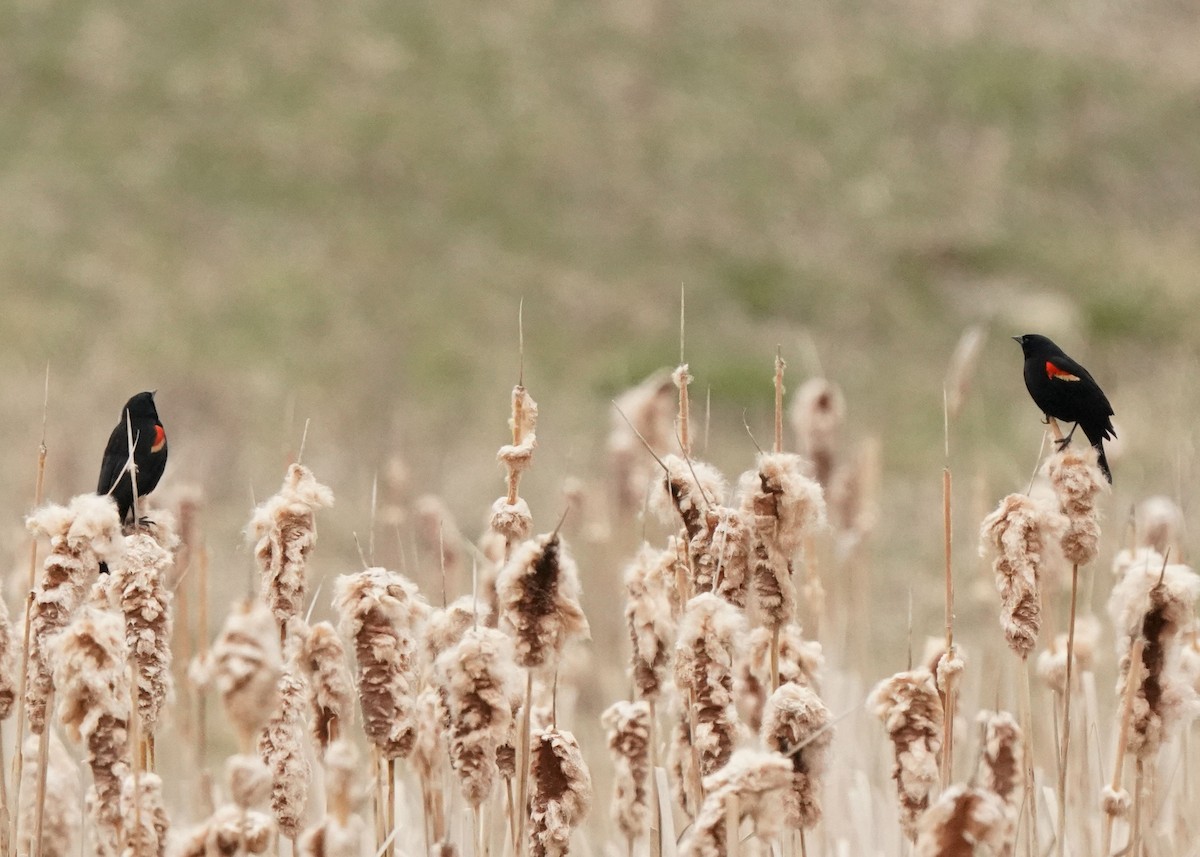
160	439
1053	373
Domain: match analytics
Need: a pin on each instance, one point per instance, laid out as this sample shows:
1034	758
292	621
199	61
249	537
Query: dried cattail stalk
799	661
510	523
244	664
480	681
797	726
650	410
381	611
1158	524
1018	532
538	592
1052	662
1002	766
911	711
517	456
92	683
963	822
137	587
1155	604
142	801
82	535
784	505
628	725
10	645
60	809
688	489
757	782
322	657
562	791
817	411
708	634
281	746
648	618
1077	480
285	530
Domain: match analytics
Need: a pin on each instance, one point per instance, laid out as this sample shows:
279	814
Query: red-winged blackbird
149	453
1066	391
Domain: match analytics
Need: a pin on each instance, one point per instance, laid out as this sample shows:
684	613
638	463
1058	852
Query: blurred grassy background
282	211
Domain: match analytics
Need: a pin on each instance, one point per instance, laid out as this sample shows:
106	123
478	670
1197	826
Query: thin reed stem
39	826
523	773
1030	784
948	690
1064	761
1131	682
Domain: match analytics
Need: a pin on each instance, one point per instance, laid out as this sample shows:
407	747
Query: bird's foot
1062	442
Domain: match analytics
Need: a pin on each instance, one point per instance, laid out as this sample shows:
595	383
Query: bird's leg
1062	442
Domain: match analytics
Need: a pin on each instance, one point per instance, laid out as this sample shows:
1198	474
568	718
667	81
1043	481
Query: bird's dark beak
1019	339
154	393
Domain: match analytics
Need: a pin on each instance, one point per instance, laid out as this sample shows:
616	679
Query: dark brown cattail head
538	592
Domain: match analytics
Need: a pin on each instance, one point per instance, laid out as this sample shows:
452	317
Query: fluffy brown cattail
381	612
146	821
799	661
244	664
757	782
138	589
322	658
817	412
92	683
963	822
1077	480
517	456
648	618
1002	766
797	726
339	833
784	506
1018	532
911	711
480	681
428	758
681	759
60	809
446	625
281	746
285	530
236	828
721	555
687	490
82	535
562	791
650	408
710	630
538	592
9	646
1156	604
628	725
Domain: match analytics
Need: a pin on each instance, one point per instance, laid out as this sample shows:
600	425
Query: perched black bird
1066	391
149	453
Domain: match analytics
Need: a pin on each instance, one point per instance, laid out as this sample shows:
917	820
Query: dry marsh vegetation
733	711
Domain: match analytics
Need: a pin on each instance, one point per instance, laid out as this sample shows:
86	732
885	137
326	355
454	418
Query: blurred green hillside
281	211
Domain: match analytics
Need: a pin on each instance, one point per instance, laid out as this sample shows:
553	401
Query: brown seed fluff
797	726
244	664
1002	766
9	646
142	800
757	780
708	635
480	680
281	746
561	791
538	592
1077	480
648	619
628	725
285	530
911	711
92	683
82	535
322	657
800	662
60	809
963	822
1018	532
381	612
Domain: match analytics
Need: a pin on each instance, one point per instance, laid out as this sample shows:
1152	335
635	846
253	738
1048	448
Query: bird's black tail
1102	461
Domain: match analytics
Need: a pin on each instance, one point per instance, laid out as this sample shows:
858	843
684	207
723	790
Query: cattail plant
704	652
511	518
138	588
911	710
82	535
817	412
92	684
480	679
144	815
322	658
1002	763
238	827
750	787
284	529
59	811
340	832
629	736
963	822
798	661
648	618
381	612
281	746
650	410
428	758
797	726
689	488
244	664
562	791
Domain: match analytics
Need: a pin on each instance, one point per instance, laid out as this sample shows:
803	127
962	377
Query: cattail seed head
911	711
538	592
1002	766
142	801
796	725
648	618
817	411
561	792
757	781
1077	480
628	725
708	635
963	822
322	658
244	664
685	492
60	809
281	746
